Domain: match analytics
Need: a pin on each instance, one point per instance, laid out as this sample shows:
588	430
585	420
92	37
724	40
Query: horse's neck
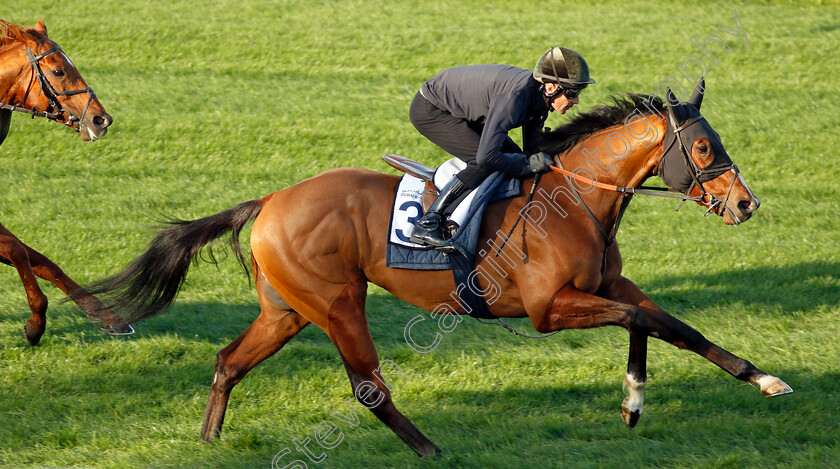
11	72
622	155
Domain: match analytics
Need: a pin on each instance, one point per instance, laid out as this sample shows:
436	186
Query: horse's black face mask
685	125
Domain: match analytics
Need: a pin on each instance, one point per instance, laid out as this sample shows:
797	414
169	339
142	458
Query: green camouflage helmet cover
562	65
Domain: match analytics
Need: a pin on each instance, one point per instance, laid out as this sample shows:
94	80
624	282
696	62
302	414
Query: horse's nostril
102	120
746	206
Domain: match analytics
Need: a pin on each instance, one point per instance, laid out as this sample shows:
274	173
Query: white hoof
772	386
631	407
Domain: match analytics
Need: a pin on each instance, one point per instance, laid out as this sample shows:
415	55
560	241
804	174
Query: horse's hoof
772	386
630	417
32	335
127	330
118	327
429	451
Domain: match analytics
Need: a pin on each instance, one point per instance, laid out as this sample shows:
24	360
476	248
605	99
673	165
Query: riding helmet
562	65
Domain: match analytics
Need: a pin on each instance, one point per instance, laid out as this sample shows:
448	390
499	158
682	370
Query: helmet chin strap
557	91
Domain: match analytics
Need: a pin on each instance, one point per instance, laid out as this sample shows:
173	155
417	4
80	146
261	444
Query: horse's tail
151	282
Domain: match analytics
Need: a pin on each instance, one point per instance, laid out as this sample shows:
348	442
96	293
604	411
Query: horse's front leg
13	251
571	308
670	329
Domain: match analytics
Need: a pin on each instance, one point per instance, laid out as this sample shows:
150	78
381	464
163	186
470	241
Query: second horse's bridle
55	111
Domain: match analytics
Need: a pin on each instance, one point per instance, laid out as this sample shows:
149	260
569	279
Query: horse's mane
568	135
12	33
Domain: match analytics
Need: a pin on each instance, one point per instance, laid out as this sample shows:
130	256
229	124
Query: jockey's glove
540	162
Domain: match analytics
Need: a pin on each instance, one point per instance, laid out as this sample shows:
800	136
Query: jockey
468	111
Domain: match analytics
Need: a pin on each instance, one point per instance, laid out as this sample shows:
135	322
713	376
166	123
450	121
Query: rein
655	191
49	92
34	112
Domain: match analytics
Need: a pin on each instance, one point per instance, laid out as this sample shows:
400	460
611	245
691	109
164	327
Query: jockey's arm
504	114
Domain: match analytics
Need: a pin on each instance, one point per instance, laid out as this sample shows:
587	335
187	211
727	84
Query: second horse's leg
41	266
49	271
15	252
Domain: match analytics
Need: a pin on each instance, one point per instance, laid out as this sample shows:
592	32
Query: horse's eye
702	148
58	72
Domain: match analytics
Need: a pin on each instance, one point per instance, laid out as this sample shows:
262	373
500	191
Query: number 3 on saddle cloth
408	208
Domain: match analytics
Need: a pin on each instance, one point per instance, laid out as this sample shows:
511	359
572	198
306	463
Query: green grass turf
220	102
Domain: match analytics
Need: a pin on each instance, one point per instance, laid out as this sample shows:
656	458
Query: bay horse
38	79
317	244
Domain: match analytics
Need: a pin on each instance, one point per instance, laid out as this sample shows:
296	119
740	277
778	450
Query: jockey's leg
429	229
460	139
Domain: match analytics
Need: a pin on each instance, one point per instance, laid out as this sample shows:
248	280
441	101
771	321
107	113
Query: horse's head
694	162
49	82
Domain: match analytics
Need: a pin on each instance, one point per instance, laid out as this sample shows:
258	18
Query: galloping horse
38	79
315	246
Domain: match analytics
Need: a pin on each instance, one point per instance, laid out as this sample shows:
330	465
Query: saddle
420	171
460	261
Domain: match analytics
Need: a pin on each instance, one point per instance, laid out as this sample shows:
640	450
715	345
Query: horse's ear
697	96
669	99
40	27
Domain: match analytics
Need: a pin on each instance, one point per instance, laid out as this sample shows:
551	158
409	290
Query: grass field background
219	103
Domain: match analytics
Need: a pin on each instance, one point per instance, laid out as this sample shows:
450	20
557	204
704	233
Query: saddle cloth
407	209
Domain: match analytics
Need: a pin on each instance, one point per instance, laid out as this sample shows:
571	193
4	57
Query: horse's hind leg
15	252
275	326
49	271
670	329
350	334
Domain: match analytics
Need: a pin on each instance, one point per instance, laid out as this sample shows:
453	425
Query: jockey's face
560	103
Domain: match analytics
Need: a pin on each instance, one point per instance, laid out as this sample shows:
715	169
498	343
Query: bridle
698	175
55	110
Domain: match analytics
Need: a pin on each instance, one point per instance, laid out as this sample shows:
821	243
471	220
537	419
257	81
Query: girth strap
472	303
655	191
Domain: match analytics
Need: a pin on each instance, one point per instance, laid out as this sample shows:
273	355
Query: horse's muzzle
740	210
96	127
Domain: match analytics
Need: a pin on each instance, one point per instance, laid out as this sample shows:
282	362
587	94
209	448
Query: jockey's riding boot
429	229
